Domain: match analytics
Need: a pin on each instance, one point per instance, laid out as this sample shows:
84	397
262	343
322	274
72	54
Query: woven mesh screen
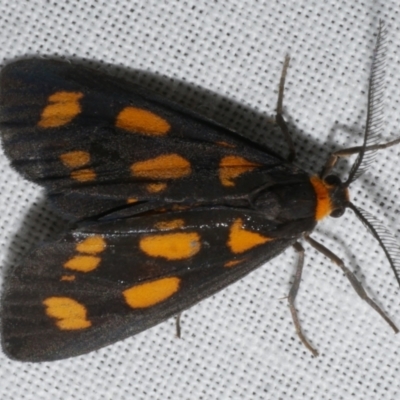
223	59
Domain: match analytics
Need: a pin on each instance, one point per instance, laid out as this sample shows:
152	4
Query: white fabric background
223	59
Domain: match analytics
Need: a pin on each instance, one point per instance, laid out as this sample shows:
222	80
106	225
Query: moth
166	207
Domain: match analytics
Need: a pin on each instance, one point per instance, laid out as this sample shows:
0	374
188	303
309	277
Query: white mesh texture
223	59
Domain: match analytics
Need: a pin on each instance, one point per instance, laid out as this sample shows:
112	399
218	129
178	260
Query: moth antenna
374	123
383	236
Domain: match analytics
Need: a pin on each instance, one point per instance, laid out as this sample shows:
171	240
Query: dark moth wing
108	280
124	161
98	144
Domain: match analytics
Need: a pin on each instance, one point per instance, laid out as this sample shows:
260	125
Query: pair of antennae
366	153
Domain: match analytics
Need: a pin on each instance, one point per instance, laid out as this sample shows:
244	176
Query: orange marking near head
168	225
132	200
68	278
168	166
138	120
324	206
156	187
172	246
151	293
68	313
232	263
75	159
83	175
83	263
63	107
91	245
241	240
232	167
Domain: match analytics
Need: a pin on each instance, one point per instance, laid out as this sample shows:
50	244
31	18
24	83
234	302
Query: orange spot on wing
68	278
63	107
324	206
172	246
68	313
241	240
169	166
151	293
84	175
138	120
132	200
91	245
168	225
83	263
156	187
231	167
232	263
75	159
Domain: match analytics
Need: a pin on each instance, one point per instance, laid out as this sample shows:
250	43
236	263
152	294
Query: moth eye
333	180
338	212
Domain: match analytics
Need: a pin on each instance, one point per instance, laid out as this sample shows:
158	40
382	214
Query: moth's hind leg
292	296
353	280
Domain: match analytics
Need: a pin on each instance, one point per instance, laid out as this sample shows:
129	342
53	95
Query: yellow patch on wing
168	166
232	263
83	263
151	293
172	246
83	175
138	120
156	187
132	200
63	107
324	206
75	159
68	313
241	240
91	245
67	278
232	167
168	225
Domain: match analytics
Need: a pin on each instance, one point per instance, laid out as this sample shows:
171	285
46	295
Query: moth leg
292	296
353	280
334	157
279	118
178	325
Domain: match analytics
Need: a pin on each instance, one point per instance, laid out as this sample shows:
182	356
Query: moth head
339	195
